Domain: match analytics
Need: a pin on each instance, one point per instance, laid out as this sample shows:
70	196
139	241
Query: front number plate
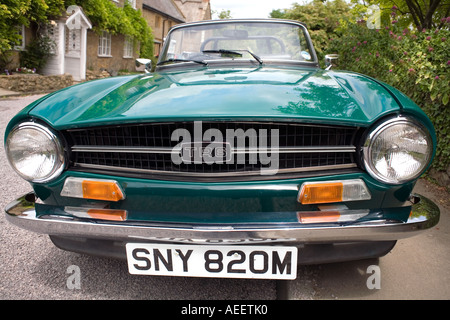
257	262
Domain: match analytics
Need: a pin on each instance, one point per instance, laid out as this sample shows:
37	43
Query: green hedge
416	63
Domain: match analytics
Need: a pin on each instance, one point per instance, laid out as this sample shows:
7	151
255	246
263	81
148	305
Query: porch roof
77	13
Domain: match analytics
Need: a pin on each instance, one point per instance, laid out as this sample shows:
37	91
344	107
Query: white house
70	37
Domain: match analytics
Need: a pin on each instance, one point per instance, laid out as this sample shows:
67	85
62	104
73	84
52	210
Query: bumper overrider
64	222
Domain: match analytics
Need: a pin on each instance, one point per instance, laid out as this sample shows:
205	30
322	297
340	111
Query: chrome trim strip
22	213
214	174
166	150
123	149
349	149
256	20
301	124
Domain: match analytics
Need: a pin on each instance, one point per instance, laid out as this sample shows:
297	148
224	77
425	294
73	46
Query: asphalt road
32	268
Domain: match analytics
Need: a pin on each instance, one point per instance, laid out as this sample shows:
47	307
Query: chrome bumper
22	212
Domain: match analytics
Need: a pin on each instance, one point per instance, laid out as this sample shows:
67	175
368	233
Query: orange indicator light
312	193
96	189
318	216
102	190
111	215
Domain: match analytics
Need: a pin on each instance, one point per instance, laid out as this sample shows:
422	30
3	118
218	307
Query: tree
278	14
322	18
423	14
223	14
14	13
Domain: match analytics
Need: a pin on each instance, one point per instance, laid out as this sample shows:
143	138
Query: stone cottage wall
112	63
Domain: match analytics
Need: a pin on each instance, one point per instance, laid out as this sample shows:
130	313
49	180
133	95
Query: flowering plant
416	63
25	70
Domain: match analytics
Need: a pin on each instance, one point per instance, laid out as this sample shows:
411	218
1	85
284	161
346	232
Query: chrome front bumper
22	212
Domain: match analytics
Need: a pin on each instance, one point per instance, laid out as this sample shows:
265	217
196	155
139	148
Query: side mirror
331	60
144	65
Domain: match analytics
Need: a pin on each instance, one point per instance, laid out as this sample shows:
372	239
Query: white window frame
52	31
104	44
21	31
128	47
132	3
73	43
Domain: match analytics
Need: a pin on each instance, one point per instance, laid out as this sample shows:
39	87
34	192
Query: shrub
37	52
416	63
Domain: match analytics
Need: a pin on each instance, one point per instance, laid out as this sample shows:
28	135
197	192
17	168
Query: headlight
397	151
34	152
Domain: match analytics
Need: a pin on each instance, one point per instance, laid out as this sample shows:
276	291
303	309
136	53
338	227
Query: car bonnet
260	94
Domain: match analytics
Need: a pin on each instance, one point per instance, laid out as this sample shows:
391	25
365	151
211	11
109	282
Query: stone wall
441	177
35	83
91	75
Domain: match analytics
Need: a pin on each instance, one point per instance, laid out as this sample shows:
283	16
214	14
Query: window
21	42
73	42
128	47
52	31
104	44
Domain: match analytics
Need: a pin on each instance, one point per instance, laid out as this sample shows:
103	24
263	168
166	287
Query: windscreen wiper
223	51
235	52
181	60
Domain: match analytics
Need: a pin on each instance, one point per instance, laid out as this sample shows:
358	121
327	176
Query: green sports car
237	157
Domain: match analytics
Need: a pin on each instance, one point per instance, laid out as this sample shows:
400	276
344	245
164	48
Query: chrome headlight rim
375	133
60	161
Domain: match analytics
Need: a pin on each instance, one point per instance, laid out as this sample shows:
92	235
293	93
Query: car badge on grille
206	152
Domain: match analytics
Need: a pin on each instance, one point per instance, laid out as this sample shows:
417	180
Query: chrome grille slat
234	150
219	174
147	148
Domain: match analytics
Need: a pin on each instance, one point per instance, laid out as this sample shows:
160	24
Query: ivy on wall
104	15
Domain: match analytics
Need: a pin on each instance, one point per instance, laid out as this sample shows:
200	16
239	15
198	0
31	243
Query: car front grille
149	149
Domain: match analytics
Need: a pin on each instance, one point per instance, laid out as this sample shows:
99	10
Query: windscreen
268	41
